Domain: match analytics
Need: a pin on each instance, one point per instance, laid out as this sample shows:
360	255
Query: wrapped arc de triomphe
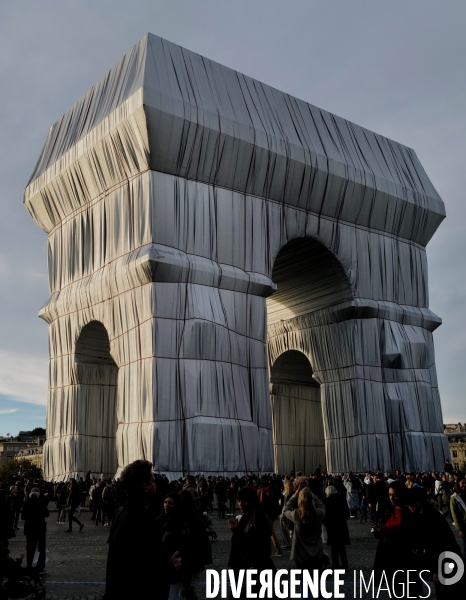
238	280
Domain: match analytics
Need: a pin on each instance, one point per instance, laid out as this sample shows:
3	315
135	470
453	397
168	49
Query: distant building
28	436
9	448
456	434
33	453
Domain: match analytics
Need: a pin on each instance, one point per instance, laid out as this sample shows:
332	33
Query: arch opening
309	278
97	379
297	425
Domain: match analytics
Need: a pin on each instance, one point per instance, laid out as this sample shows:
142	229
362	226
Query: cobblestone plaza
76	568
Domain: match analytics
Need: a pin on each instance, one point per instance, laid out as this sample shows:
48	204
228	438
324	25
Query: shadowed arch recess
308	277
97	392
93	345
298	430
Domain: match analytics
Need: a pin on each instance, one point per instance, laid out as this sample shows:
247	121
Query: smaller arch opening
297	423
96	398
93	345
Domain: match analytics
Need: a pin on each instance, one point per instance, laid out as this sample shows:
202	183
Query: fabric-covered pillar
196	401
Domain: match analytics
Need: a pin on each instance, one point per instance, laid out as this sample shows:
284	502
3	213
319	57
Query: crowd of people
159	529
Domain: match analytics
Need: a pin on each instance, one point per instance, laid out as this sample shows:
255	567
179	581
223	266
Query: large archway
309	279
97	382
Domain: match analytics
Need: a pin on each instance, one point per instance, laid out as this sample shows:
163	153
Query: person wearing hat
34	514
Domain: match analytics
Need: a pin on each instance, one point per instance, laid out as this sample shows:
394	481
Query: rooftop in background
455	432
454	427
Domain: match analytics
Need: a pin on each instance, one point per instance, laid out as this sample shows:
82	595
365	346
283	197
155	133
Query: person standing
202	491
232	494
190	486
83	488
250	541
377	498
458	511
98	502
307	513
177	537
396	534
137	563
433	536
72	503
62	496
352	494
109	499
336	514
285	524
221	493
16	499
447	466
268	497
6	519
210	497
34	514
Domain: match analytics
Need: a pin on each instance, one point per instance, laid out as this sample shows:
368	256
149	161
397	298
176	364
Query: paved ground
76	568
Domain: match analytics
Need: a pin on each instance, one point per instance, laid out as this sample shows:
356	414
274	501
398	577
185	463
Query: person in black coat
250	542
336	515
433	535
16	499
178	537
221	493
232	495
34	514
376	494
74	500
137	563
202	552
6	519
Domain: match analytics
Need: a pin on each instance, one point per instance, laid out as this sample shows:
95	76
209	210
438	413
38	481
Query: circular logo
450	568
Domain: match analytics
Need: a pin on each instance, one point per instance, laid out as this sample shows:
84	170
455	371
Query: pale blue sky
395	67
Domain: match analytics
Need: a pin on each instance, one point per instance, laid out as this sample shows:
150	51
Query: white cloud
23	377
8	411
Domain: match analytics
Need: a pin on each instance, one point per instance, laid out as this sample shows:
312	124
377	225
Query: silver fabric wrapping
201	224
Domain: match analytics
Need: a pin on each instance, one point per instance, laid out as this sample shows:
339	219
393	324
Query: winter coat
74	498
395	548
336	514
307	537
221	491
194	493
97	496
352	495
34	514
6	520
176	537
250	543
137	563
